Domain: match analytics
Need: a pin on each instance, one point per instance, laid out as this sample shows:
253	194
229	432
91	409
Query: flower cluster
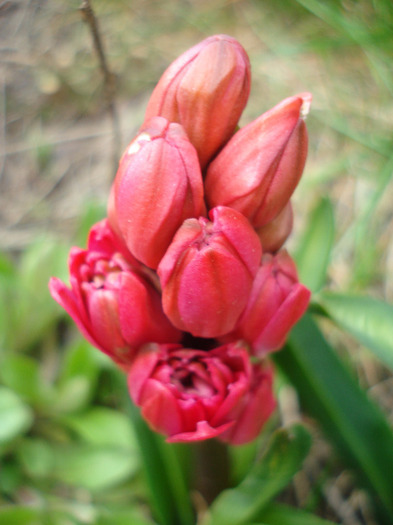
185	285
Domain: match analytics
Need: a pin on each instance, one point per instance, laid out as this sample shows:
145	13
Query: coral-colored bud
158	186
207	272
205	90
192	395
277	302
113	299
274	234
259	168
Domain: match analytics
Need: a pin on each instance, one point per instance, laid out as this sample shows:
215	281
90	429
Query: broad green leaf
18	515
36	309
283	458
22	374
71	396
350	420
93	468
36	456
313	253
278	514
103	427
78	379
15	416
367	319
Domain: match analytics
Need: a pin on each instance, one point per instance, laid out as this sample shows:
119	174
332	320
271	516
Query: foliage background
65	447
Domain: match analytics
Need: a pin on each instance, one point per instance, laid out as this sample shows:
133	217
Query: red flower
259	168
274	234
158	186
205	90
277	301
192	395
206	275
112	298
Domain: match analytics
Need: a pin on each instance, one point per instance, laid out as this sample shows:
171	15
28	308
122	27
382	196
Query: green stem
211	468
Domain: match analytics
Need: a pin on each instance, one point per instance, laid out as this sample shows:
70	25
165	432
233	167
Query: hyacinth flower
274	234
205	90
183	285
259	168
158	185
192	395
207	272
113	298
277	301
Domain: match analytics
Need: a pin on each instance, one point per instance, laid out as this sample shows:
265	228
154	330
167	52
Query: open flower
112	298
192	395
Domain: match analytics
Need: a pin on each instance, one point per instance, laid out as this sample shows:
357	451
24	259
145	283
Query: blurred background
58	143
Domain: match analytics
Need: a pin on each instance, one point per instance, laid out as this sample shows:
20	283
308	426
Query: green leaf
124	517
22	374
15	416
313	253
78	379
93	468
17	515
284	457
34	309
36	457
278	514
104	427
367	319
350	420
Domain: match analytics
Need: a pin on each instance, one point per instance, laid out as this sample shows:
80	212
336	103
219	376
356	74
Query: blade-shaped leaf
367	319
313	253
278	514
284	457
352	422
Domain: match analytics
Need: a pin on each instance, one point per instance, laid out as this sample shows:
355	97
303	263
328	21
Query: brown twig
109	78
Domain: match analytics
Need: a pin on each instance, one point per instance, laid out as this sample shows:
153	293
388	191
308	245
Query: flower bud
113	299
207	272
158	186
274	234
259	168
192	395
277	301
205	90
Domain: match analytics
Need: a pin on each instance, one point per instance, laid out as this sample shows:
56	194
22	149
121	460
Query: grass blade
366	318
313	253
284	457
350	420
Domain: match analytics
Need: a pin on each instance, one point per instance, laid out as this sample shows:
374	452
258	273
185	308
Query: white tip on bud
305	109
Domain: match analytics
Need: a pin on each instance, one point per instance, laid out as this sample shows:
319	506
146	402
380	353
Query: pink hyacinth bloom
259	168
192	395
277	301
113	299
206	275
205	90
274	234
158	186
